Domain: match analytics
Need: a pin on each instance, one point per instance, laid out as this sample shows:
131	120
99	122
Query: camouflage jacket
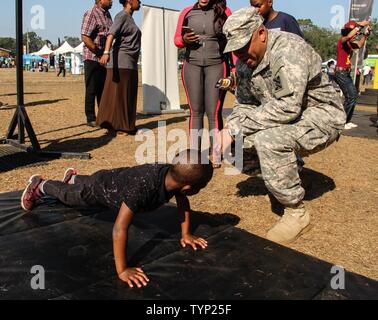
287	86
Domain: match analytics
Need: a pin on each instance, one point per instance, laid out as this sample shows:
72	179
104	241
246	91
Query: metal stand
20	118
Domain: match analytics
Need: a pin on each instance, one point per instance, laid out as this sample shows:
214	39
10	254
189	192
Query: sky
63	18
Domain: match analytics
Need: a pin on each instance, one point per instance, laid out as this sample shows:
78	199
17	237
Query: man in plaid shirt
94	30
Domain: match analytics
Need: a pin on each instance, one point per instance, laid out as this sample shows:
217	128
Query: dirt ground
341	182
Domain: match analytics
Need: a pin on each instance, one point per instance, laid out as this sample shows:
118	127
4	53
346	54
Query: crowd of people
39	66
285	108
7	62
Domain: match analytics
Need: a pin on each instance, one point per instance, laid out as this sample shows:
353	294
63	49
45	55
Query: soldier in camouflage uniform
285	106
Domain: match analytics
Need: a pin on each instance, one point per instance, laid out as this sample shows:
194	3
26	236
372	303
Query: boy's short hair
189	168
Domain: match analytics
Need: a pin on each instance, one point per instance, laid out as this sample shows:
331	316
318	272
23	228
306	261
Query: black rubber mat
365	129
12	157
75	249
369	97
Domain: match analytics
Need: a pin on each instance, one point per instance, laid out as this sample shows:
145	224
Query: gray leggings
203	97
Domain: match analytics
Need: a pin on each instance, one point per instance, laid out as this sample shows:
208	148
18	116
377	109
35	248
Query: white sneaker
348	126
353	125
293	223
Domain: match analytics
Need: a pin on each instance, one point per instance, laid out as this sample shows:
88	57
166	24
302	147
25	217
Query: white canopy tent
77	59
45	51
159	71
79	49
64	48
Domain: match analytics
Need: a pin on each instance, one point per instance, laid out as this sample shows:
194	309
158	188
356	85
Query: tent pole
19	72
163	104
19	53
20	118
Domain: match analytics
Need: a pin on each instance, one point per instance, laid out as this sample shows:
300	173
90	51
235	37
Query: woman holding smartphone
199	30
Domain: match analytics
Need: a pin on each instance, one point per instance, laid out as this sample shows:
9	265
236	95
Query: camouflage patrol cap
240	26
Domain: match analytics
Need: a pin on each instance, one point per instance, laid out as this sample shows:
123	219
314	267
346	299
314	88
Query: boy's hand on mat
134	276
193	241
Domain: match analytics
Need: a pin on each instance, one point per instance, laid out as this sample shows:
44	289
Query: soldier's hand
233	77
228	83
224	84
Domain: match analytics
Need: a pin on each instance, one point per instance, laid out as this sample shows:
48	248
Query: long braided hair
220	18
220	15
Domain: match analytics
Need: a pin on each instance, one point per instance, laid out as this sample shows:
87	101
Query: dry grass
344	193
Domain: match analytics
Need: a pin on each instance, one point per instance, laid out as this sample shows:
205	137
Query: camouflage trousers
277	149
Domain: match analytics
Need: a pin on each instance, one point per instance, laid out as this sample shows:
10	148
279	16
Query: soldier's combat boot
293	223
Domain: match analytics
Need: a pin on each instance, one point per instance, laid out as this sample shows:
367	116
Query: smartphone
187	29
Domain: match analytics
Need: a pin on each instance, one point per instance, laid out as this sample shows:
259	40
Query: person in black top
62	66
130	191
273	20
276	20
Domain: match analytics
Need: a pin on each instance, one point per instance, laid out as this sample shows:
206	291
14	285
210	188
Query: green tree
305	24
372	41
9	44
33	41
323	40
73	41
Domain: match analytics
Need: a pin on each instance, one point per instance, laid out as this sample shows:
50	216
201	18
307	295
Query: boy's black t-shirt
141	188
285	22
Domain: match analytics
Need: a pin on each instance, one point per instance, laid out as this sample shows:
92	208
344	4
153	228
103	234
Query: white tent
64	48
159	71
76	63
45	51
79	49
77	59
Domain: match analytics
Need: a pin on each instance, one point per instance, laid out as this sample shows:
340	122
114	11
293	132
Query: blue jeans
345	82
